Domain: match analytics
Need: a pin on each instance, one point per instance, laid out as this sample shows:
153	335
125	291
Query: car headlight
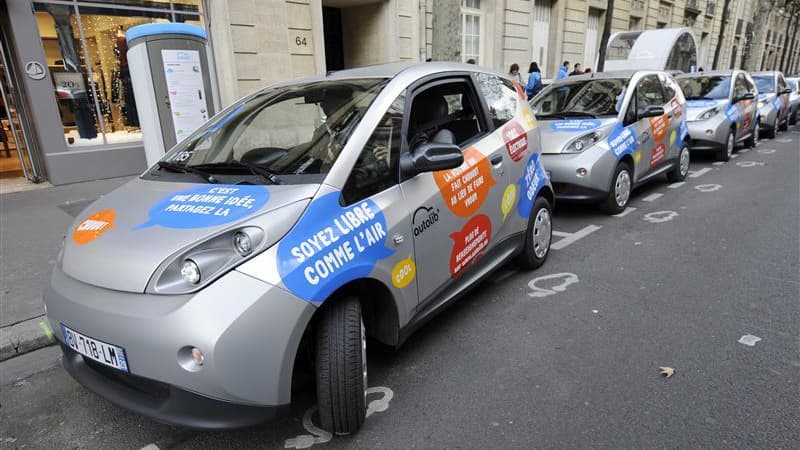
708	114
583	142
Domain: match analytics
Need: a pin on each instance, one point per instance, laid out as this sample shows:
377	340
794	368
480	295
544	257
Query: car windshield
590	98
290	134
765	83
702	88
793	84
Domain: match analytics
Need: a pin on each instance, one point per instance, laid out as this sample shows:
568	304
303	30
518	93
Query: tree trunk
791	21
722	25
791	48
752	62
446	45
601	60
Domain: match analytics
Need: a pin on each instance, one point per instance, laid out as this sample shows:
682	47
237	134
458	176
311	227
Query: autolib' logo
428	217
94	226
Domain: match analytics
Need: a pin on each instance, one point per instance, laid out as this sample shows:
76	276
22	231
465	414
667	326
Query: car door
650	149
783	97
675	108
738	111
454	213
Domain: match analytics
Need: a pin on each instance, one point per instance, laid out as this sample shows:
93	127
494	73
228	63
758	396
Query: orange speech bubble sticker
95	225
465	188
659	125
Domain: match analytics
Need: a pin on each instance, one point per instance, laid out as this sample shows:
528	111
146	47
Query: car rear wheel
679	172
724	154
754	137
341	367
785	125
620	191
537	236
774	131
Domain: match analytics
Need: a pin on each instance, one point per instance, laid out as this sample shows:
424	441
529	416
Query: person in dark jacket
577	70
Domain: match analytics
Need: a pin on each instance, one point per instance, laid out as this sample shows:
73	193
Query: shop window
471	28
86	56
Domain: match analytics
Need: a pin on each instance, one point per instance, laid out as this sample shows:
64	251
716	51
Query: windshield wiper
179	168
255	169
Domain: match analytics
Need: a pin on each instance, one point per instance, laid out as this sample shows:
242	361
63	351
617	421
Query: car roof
710	73
412	69
765	72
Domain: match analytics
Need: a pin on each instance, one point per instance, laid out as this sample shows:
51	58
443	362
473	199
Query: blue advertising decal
732	113
206	206
683	132
332	245
622	141
777	103
531	182
574	125
696	104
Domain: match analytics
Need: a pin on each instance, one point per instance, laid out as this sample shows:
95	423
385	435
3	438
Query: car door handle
644	136
496	159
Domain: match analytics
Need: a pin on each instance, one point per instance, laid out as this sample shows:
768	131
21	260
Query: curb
25	337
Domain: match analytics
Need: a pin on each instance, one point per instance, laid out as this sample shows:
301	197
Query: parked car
606	133
773	101
722	110
313	212
794	99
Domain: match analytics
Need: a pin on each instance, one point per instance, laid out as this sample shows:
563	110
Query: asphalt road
676	282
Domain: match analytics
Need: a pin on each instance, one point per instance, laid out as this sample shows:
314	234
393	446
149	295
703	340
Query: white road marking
676	185
718	163
627	211
783	140
660	216
570	238
708	187
560	233
652	197
539	292
320	436
749	164
766	151
699	172
150	447
749	339
734	156
744	150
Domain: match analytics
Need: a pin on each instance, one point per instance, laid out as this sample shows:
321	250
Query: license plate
107	354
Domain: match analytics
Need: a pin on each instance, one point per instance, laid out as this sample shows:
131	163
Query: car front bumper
249	332
767	114
563	168
711	134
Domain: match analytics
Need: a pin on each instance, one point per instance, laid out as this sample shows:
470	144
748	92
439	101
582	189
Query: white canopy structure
662	49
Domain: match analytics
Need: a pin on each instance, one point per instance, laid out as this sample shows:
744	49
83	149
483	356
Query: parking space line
718	163
734	156
676	185
627	211
699	172
744	150
571	238
652	197
560	233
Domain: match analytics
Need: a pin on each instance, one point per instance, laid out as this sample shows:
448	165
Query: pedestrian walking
588	70
514	74
563	72
534	81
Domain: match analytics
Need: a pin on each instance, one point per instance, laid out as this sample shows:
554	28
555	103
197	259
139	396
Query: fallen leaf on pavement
667	371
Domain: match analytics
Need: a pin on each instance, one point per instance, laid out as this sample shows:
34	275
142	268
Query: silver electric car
773	101
721	111
306	216
794	99
604	134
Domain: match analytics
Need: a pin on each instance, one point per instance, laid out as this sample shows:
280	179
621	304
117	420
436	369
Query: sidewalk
32	224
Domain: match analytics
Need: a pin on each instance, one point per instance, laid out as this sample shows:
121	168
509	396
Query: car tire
619	192
679	172
725	153
785	125
341	367
771	134
754	136
538	236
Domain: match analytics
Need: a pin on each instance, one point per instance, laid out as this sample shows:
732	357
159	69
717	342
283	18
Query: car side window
751	87
447	113
501	97
740	87
669	85
781	83
649	93
630	113
377	166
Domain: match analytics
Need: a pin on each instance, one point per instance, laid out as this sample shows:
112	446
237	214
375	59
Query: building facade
67	138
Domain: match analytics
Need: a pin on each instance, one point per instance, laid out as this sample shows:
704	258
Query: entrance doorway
334	40
15	157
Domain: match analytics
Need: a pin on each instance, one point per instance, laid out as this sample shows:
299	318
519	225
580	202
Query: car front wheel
537	236
341	366
620	191
724	154
754	136
679	172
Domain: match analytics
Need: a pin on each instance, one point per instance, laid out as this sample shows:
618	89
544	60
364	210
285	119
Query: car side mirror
431	157
747	96
652	111
786	91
